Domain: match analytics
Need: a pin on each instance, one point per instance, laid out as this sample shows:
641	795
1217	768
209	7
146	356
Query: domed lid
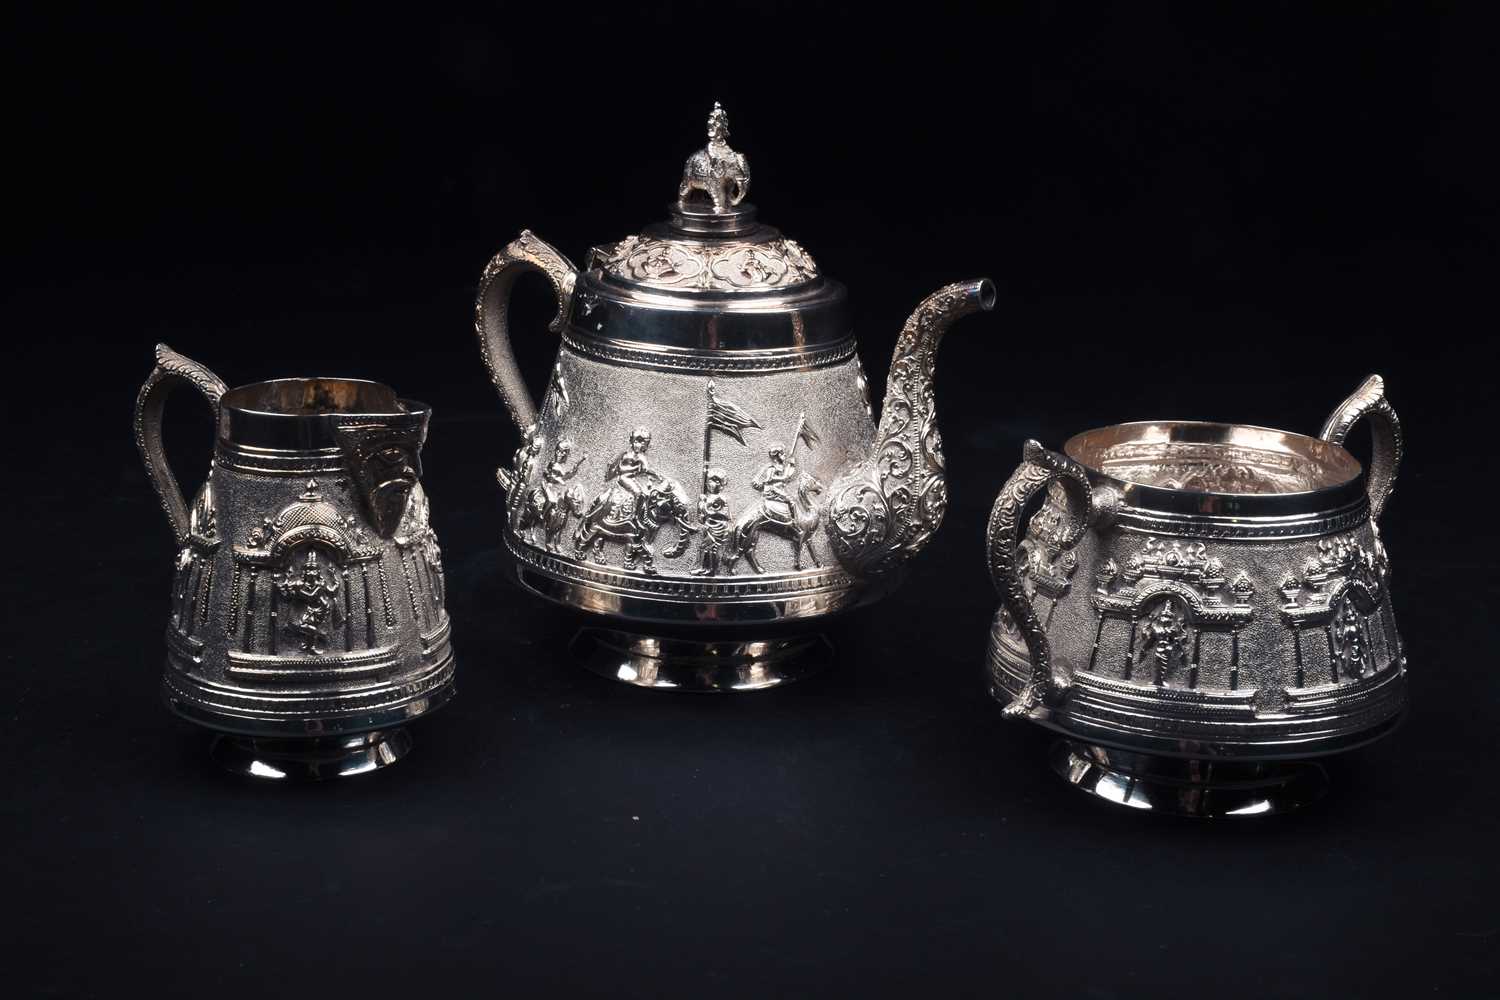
675	283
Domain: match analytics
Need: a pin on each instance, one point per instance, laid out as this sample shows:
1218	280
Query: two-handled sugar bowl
1200	608
307	620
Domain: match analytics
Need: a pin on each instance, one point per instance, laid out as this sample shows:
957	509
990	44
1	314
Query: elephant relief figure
633	517
716	170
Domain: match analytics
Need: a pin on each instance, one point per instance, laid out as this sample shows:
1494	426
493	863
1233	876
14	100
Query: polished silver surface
706	451
695	666
308	599
1213	470
315	759
1203	789
1201	592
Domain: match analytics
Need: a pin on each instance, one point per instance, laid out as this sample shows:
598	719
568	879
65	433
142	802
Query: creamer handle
491	307
1039	469
1385	458
172	370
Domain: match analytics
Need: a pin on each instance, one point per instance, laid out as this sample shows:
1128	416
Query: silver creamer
307	614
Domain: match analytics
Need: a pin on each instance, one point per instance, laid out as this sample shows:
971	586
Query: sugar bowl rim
1345	485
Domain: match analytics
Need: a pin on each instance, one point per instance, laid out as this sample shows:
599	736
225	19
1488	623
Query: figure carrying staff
713	508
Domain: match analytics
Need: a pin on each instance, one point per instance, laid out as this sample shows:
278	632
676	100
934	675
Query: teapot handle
1385	459
525	253
1039	469
172	370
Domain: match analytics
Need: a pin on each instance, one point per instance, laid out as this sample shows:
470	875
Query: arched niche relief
1164	601
303	588
1335	602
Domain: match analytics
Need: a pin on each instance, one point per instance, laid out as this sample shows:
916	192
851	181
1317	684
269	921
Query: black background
1190	211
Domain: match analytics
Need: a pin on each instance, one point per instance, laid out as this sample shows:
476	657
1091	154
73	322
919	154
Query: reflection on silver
307	613
1185	787
1198	595
709	364
315	759
700	665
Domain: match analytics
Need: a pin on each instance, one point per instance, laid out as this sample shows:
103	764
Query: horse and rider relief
638	502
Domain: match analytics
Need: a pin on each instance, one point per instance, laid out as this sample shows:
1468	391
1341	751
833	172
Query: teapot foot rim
705	666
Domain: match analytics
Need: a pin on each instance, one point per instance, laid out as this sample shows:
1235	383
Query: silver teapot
1200	609
705	458
307	619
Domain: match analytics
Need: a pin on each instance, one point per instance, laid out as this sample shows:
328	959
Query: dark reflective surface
1198	210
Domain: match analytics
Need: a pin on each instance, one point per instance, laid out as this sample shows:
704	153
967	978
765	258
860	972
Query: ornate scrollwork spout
884	510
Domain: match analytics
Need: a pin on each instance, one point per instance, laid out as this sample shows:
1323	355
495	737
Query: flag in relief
805	431
727	416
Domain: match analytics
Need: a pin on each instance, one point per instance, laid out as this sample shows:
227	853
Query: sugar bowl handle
172	370
492	306
1385	459
1039	469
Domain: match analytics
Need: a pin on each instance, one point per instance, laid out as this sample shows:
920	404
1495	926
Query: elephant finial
716	170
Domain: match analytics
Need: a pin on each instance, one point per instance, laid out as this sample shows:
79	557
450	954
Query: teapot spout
886	508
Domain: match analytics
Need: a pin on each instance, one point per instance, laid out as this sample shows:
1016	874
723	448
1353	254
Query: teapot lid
711	242
710	258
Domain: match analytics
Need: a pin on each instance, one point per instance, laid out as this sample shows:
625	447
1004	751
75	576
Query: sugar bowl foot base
1185	787
312	759
679	663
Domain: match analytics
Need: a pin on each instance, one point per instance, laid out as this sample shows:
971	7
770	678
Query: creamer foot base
685	664
1185	787
315	759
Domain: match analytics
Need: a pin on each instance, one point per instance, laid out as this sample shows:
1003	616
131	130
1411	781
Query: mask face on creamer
385	460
